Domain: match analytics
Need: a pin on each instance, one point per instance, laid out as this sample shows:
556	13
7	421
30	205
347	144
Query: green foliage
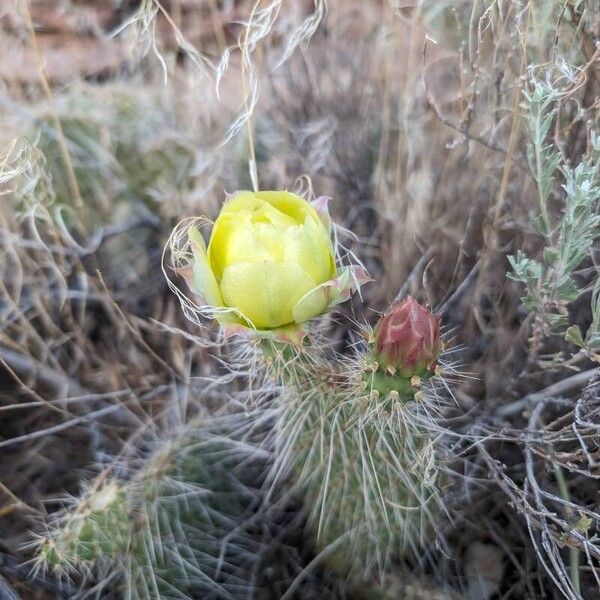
543	158
569	237
591	340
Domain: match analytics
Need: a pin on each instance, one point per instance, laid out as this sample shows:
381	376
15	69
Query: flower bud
407	339
268	251
269	266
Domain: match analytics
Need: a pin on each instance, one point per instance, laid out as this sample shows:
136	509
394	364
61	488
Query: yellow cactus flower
270	264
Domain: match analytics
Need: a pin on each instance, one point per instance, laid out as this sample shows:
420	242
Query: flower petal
250	229
265	292
289	204
329	294
203	281
232	240
310	246
313	303
321	205
239	201
348	281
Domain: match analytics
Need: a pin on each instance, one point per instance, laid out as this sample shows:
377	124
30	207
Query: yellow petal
289	204
265	213
204	282
263	209
265	292
311	247
234	240
313	303
240	201
248	229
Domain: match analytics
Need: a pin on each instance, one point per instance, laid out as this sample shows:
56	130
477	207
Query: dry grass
411	116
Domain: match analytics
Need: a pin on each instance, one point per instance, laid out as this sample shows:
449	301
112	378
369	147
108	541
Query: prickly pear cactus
358	437
175	529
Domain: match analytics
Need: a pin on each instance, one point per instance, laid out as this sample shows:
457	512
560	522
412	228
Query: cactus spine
358	439
173	529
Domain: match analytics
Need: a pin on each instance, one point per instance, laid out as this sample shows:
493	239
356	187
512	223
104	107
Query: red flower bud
407	338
